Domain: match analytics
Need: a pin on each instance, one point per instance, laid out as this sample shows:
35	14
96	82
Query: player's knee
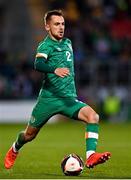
30	136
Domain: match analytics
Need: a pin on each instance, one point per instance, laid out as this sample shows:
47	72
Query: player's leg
29	134
43	110
78	110
25	136
88	115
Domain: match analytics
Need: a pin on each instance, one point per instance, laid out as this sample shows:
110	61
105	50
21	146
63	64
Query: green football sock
20	141
91	136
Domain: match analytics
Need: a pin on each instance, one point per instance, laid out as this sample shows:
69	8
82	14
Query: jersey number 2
68	55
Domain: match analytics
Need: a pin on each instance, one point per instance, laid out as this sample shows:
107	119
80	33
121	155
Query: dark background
101	34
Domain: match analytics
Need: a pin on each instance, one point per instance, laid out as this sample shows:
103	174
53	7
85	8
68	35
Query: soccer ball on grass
72	165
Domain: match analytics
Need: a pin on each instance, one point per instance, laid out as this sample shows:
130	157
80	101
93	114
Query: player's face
56	27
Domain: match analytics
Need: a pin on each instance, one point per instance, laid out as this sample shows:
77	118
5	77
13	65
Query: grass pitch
41	158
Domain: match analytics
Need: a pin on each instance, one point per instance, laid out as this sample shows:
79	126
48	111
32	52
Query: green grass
41	158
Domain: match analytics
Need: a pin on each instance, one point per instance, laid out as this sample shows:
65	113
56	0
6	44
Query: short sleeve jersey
58	55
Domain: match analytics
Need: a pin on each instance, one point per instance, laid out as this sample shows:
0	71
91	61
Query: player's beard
57	37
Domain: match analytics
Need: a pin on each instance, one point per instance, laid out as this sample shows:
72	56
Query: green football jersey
58	55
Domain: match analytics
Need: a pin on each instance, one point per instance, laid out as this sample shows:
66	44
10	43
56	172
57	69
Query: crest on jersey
32	119
70	46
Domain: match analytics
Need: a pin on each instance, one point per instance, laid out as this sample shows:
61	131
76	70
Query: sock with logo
91	137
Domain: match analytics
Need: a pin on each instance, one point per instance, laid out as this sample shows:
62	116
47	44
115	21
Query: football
72	165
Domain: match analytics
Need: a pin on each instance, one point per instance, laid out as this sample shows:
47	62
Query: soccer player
54	57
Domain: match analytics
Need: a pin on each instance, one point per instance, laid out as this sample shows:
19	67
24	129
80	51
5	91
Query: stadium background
101	35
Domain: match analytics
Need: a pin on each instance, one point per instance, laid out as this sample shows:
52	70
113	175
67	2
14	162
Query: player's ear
47	27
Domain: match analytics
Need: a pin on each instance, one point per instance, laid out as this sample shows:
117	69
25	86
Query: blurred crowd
18	79
101	34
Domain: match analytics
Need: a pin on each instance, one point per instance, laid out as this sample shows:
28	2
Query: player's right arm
41	66
41	59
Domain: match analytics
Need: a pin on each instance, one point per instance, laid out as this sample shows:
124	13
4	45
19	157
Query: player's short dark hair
56	12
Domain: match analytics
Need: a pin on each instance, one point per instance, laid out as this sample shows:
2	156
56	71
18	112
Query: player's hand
62	72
